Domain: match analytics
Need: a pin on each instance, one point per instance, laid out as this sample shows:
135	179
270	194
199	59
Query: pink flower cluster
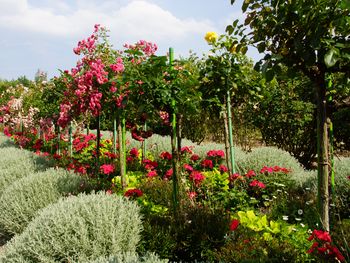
83	83
107	169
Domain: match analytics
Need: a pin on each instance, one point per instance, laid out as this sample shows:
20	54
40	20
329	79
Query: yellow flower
211	37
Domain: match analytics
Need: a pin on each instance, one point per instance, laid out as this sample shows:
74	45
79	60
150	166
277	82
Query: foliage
26	196
286	117
276	241
269	156
131	258
16	163
78	229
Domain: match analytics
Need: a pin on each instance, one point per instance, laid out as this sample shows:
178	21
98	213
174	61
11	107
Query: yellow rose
211	37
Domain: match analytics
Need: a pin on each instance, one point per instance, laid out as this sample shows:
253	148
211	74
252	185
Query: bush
16	163
22	199
78	229
269	156
5	142
131	258
342	186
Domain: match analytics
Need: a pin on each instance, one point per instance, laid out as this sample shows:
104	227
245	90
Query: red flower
107	168
57	156
150	165
168	173
166	156
257	183
223	168
235	176
250	174
188	168
207	164
133	193
234	224
134	153
214	153
197	177
186	149
266	169
192	195
152	173
194	157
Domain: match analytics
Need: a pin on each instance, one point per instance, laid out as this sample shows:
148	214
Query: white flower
300	212
285	218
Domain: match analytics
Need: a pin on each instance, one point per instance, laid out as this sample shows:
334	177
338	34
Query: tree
309	36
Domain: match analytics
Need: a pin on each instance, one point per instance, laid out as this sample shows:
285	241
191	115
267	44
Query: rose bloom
152	173
234	224
166	156
257	183
188	167
211	37
133	193
107	168
207	164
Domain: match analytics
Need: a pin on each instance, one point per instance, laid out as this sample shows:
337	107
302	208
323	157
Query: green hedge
78	229
21	200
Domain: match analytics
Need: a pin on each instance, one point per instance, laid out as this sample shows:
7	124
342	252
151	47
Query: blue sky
40	34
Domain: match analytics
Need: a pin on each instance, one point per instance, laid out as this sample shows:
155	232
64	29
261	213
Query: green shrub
269	156
342	186
21	200
131	258
5	142
78	229
16	163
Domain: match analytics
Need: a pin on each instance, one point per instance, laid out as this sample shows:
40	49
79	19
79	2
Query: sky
41	34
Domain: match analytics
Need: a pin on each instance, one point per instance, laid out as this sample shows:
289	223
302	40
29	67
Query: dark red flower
234	224
133	193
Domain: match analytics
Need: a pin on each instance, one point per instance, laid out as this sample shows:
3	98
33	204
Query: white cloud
136	19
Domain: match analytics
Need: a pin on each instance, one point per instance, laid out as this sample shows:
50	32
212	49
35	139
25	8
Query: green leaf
331	57
229	29
245	5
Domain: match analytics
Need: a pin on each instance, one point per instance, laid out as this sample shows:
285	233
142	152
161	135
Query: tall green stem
98	144
70	140
124	143
174	143
121	152
229	119
144	143
115	135
58	140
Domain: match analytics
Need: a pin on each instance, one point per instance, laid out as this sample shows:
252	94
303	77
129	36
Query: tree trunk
322	153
